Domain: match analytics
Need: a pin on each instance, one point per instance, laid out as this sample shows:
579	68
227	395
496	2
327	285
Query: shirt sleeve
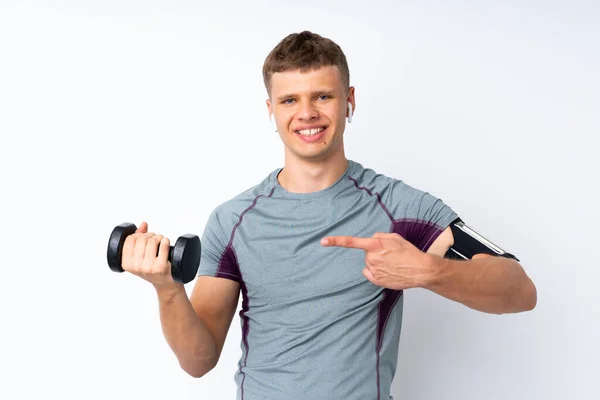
217	257
419	216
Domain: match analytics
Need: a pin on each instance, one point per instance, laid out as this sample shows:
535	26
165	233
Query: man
321	251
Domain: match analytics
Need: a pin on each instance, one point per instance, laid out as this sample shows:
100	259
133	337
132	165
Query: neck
307	176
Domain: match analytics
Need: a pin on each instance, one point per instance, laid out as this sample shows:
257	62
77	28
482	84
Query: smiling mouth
310	132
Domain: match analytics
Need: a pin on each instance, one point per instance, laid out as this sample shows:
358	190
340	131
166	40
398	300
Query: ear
351	104
272	116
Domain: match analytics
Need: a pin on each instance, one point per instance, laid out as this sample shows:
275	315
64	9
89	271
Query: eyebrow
313	94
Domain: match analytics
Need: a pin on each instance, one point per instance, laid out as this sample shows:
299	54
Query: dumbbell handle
170	255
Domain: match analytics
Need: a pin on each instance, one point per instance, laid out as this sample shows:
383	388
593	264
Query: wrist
168	292
438	268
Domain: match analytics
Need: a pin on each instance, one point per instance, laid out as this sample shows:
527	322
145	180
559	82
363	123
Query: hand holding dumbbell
151	257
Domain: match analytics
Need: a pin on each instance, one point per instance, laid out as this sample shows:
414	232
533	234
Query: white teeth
310	132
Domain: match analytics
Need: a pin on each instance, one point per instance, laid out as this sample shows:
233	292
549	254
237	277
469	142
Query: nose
307	112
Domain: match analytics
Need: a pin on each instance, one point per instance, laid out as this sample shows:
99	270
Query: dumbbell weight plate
185	258
115	245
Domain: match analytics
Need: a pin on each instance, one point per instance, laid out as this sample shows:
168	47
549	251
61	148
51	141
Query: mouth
311	134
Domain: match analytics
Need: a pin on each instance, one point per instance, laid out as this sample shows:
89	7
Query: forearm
491	284
189	338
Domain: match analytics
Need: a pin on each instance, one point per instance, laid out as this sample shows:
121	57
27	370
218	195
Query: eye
287	101
323	97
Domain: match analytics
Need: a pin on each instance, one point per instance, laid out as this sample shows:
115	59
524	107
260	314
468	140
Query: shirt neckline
331	189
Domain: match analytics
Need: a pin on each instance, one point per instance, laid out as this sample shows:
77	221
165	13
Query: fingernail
324	242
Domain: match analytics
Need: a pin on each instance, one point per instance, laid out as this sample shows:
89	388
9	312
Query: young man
321	251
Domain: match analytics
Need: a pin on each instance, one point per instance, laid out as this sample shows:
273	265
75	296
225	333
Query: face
310	110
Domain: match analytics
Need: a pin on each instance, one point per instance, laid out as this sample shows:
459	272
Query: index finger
350	242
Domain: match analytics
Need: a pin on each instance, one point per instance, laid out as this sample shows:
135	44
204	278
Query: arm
485	283
196	328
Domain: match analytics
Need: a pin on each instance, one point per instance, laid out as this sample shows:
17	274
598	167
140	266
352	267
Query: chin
312	154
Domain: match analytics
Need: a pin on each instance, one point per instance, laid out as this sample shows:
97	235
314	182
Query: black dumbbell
184	256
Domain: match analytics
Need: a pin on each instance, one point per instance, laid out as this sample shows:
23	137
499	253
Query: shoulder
226	214
401	199
386	186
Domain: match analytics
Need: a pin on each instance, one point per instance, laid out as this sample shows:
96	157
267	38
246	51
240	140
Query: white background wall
114	111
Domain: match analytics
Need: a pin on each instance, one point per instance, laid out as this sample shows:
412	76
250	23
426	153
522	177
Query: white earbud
349	112
273	123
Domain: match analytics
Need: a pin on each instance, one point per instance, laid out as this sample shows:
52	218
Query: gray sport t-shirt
313	327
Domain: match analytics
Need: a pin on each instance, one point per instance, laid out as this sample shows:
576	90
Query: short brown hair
305	51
